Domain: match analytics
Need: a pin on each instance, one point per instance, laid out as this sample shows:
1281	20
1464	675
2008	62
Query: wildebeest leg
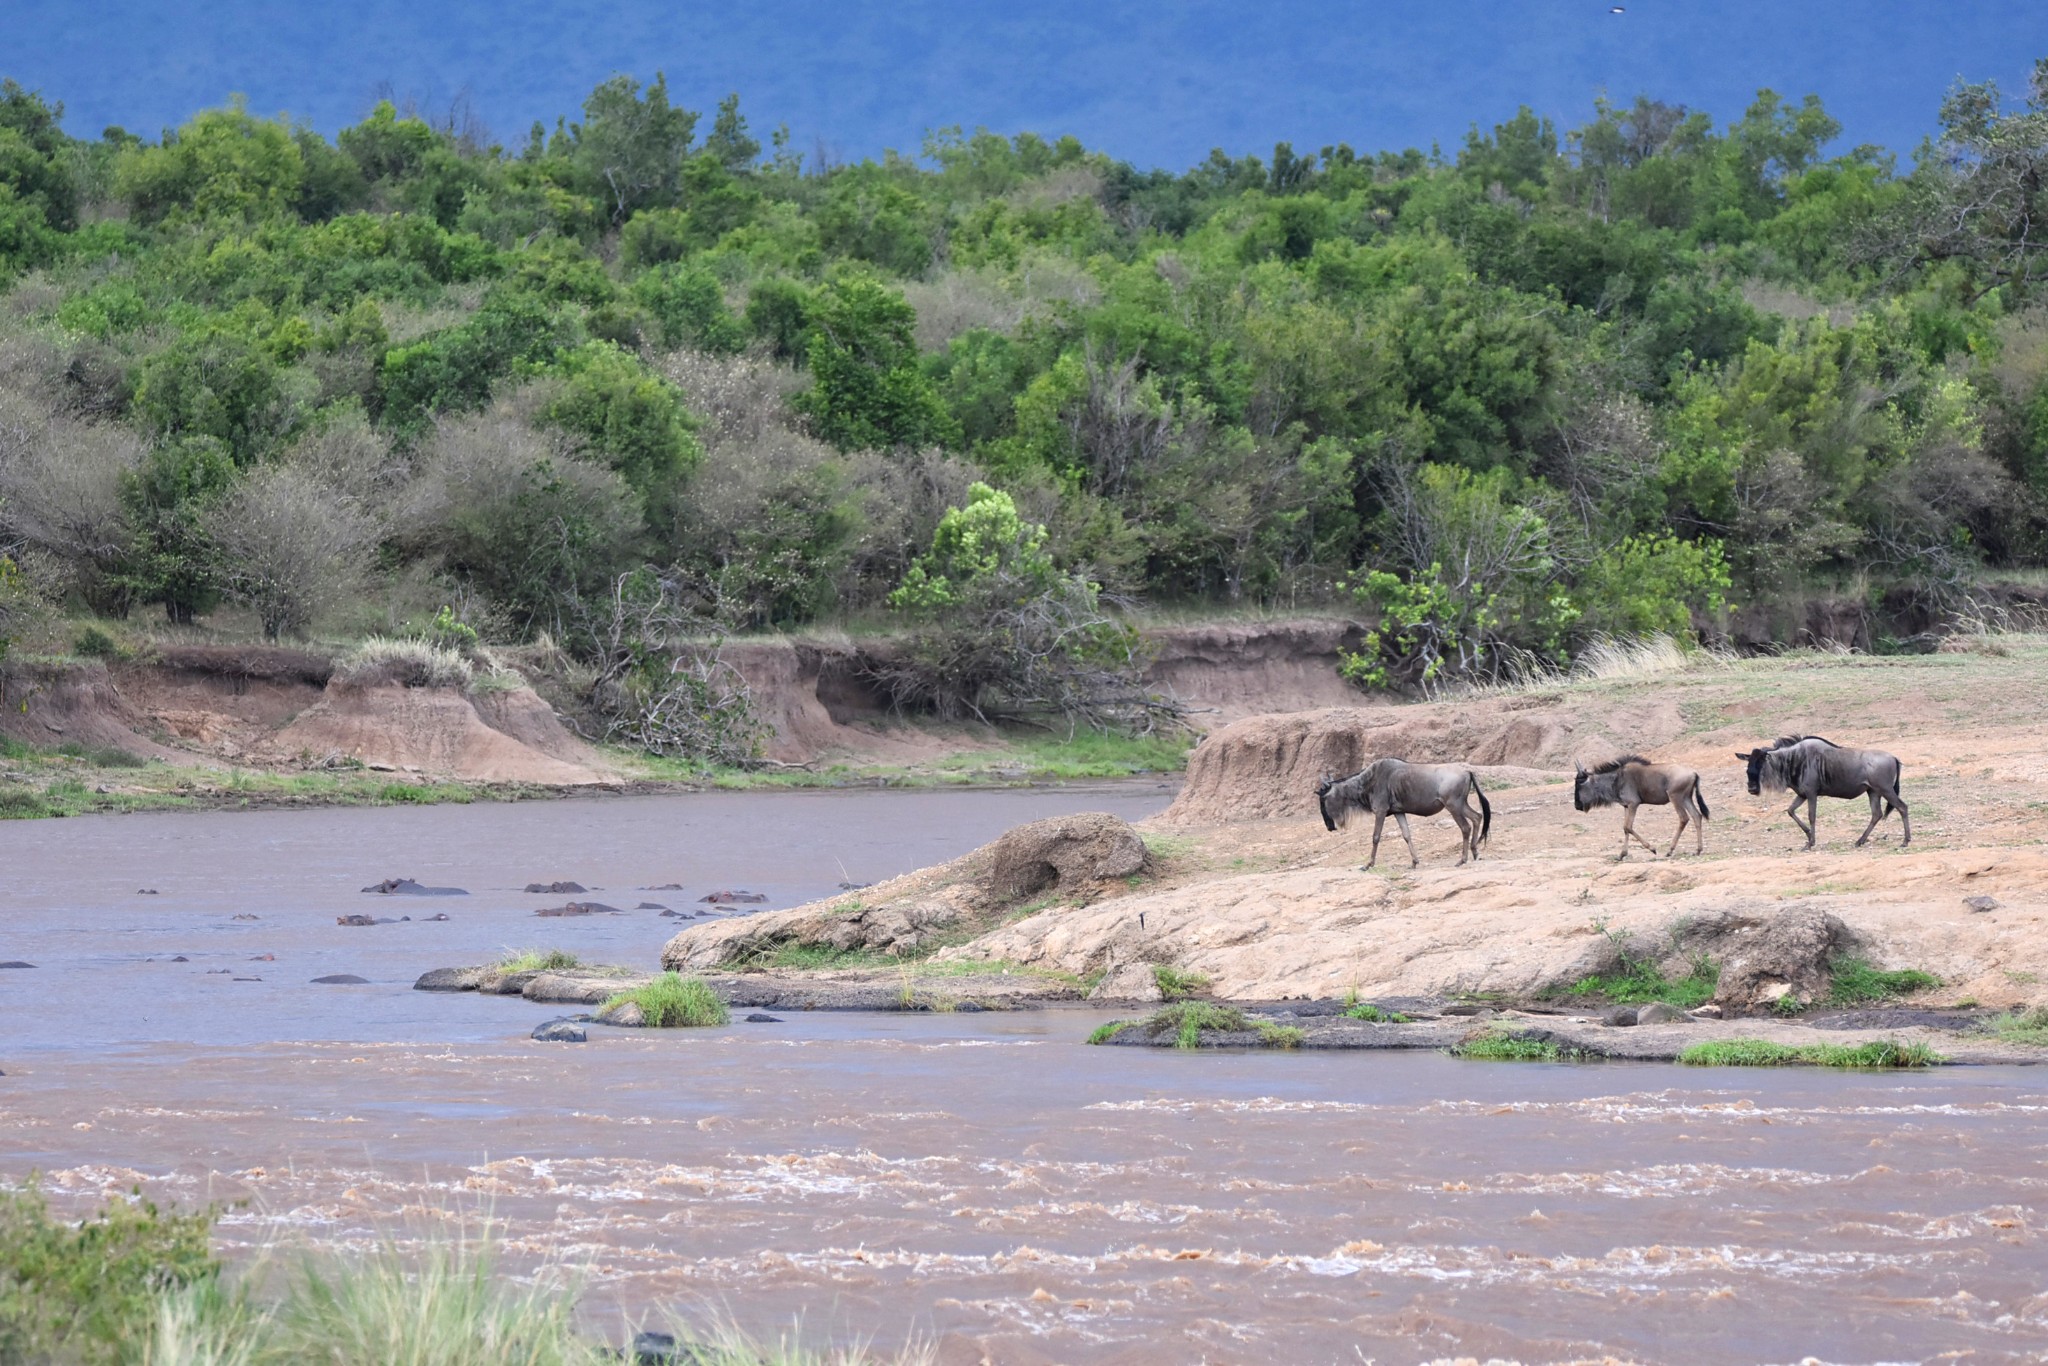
1628	832
1684	808
1468	830
1379	822
1793	812
1876	815
1892	796
1401	819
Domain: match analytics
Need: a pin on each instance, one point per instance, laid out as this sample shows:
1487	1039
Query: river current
985	1182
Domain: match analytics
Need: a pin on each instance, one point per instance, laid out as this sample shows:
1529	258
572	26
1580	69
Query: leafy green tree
688	307
224	163
633	419
868	389
170	498
630	146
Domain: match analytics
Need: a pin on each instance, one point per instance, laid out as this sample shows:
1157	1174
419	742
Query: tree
289	547
630	147
868	389
224	163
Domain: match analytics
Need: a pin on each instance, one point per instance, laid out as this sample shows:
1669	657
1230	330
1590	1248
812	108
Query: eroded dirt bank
1243	886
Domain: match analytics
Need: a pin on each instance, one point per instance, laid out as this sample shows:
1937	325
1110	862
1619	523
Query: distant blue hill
1156	83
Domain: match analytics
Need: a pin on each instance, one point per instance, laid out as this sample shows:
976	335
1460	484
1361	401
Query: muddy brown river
984	1182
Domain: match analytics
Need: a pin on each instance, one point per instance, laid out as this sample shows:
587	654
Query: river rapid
985	1182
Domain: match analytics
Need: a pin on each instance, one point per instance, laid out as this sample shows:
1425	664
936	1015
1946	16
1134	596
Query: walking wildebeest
1812	768
1389	787
1632	781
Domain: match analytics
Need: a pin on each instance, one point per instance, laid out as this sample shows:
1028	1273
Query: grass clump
1637	980
1187	1021
672	1001
1281	1036
1884	1053
1501	1045
2023	1026
1175	985
409	661
1104	1033
1854	981
539	960
19	804
1372	1014
88	1290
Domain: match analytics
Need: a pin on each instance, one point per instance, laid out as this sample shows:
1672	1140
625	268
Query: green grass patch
1372	1014
672	1001
1175	985
1501	1045
1280	1036
1187	1021
1853	981
19	804
1763	1053
539	960
1638	980
2023	1026
1104	1033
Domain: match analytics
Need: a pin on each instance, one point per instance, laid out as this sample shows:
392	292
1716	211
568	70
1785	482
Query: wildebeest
1390	787
1632	781
1812	768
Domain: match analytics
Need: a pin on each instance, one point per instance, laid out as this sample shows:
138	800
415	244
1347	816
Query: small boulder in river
561	1031
763	1017
650	906
449	979
341	979
1621	1017
16	963
556	888
1656	1012
626	1015
405	886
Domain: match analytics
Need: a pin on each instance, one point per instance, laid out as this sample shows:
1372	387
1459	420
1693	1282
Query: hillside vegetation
635	380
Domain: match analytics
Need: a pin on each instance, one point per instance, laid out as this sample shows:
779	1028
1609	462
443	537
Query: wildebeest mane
1616	765
1337	800
1787	741
1788	765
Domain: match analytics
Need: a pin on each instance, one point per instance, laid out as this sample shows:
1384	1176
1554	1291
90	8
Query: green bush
89	1290
1500	1045
673	1001
1853	981
1174	984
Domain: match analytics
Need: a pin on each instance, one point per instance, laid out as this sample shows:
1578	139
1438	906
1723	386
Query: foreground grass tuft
1372	1014
1763	1053
1501	1045
1175	985
1855	982
671	1001
1104	1033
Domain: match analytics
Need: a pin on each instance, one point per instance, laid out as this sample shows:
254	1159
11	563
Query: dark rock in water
264	958
448	979
245	916
561	1031
341	979
248	979
1656	1012
665	887
405	886
676	915
147	891
210	972
1621	1017
556	888
762	1017
181	958
650	906
581	908
17	963
654	1349
734	898
855	886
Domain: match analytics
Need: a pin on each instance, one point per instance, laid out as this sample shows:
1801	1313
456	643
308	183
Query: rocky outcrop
444	731
1080	858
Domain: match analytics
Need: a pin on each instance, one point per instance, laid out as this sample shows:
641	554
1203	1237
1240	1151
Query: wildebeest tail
1699	794
1485	810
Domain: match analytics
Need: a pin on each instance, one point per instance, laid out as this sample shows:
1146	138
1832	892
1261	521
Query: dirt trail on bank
1245	886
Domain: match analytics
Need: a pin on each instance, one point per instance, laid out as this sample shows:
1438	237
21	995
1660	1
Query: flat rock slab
405	886
449	979
341	979
17	963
